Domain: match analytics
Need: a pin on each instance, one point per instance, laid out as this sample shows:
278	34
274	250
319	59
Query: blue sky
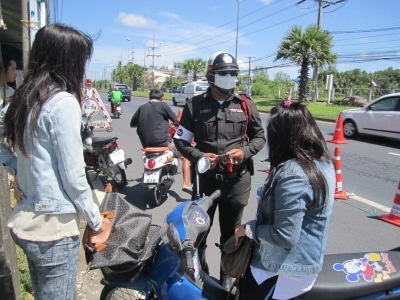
363	30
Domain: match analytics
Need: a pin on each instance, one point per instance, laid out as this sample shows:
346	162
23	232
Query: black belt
225	177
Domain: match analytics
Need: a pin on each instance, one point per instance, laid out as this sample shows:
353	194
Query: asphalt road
370	171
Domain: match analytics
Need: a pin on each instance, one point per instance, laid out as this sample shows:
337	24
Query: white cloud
266	2
170	15
133	20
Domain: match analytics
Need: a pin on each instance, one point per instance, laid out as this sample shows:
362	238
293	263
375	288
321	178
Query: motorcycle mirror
203	165
85	117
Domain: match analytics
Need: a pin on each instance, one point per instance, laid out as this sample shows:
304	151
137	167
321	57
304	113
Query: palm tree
199	66
195	66
311	48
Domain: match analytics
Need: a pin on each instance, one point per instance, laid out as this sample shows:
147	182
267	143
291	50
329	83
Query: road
370	171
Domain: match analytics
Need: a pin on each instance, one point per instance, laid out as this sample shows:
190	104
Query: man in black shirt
226	128
152	122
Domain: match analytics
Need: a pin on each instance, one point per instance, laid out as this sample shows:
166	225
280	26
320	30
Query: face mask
226	82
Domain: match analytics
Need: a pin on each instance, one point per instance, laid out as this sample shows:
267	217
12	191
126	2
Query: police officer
226	128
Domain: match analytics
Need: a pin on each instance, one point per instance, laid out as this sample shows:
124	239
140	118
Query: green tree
134	73
311	48
171	82
194	66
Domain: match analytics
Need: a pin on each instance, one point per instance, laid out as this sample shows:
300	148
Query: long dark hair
57	63
292	133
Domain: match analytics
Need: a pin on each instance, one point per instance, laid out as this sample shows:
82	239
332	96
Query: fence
367	93
9	273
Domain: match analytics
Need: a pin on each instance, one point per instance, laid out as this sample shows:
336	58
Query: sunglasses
224	73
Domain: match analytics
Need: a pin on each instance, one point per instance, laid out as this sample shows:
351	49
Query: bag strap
235	285
245	104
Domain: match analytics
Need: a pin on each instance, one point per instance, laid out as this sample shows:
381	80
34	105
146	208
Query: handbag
127	251
235	258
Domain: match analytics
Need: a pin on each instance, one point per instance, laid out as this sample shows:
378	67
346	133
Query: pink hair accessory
287	103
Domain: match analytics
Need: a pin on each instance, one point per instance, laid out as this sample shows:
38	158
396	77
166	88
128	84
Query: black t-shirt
152	122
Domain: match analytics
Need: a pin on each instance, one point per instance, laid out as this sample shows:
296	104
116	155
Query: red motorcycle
117	110
102	155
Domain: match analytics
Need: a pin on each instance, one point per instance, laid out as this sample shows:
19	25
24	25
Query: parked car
357	101
190	90
123	88
380	118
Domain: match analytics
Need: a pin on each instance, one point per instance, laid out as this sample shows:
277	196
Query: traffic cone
338	136
394	216
340	193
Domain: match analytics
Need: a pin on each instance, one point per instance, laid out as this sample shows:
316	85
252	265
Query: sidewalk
88	285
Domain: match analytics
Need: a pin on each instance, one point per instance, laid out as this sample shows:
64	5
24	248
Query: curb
88	286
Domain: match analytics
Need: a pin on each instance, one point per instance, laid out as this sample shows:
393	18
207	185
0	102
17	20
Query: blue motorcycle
174	271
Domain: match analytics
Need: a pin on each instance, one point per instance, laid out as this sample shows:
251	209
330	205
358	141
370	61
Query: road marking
370	203
392	153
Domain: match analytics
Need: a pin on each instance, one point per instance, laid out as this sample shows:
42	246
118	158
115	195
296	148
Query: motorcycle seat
96	141
354	275
154	149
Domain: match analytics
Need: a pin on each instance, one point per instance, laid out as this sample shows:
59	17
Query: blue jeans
53	267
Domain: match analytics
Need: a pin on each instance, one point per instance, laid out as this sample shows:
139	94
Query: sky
366	33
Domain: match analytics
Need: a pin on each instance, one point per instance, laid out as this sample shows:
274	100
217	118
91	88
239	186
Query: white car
380	118
190	90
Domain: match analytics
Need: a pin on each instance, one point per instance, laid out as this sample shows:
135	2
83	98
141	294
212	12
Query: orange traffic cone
338	136
340	193
394	216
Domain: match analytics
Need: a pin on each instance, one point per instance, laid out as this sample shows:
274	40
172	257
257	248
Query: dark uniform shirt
218	128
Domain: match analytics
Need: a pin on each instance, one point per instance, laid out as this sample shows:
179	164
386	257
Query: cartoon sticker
372	267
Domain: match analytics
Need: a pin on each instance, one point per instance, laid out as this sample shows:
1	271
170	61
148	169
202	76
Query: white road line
392	153
371	203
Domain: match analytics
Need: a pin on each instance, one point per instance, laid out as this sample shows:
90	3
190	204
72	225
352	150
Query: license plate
117	156
151	176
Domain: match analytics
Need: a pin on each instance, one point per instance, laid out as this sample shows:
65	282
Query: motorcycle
117	110
103	155
174	271
160	166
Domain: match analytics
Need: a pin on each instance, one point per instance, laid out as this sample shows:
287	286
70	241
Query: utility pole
131	51
153	55
237	26
249	76
321	5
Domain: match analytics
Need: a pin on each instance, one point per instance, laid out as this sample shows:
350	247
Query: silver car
380	118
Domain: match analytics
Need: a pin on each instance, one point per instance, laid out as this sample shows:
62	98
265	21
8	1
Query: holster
250	165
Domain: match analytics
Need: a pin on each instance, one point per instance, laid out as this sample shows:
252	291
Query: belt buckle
219	177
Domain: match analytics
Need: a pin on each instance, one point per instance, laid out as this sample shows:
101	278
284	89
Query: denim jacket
292	233
53	176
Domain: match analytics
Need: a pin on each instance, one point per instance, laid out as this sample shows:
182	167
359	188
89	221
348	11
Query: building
19	22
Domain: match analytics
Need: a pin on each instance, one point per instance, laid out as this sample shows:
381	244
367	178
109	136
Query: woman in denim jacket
43	125
291	228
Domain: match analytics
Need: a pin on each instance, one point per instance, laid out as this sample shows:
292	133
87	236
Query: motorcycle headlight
170	237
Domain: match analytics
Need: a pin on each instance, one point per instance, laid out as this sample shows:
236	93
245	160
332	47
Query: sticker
373	267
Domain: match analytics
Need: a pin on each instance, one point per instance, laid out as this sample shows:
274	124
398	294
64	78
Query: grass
26	290
320	110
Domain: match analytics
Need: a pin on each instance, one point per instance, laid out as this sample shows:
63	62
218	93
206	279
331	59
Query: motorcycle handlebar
189	261
215	195
206	202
